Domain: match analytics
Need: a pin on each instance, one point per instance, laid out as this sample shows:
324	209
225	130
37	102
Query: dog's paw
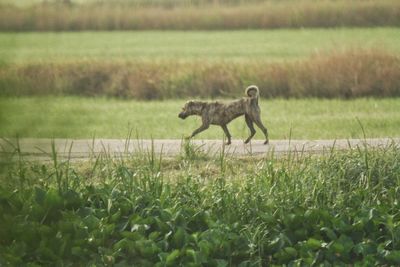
227	143
266	142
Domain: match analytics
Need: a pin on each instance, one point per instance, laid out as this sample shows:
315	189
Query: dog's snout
181	115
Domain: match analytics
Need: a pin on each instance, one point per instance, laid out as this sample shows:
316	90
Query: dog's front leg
200	129
204	126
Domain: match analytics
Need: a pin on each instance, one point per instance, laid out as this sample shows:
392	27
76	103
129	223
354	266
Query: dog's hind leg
251	127
262	127
228	135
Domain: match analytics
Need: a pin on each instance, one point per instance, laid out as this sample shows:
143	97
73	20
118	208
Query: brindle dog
221	114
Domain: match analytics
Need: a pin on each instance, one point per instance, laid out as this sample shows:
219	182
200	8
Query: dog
221	114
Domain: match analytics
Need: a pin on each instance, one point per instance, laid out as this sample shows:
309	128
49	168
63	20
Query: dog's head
190	108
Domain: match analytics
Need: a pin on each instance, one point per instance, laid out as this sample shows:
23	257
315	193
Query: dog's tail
252	91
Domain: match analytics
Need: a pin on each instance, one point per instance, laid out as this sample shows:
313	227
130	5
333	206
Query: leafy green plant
339	208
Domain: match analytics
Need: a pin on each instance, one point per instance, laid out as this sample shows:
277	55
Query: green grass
274	45
336	209
75	117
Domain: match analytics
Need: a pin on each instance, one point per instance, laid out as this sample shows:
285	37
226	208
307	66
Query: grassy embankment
341	208
196	15
73	117
158	65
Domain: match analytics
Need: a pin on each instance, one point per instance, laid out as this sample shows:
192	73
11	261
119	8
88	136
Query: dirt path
85	148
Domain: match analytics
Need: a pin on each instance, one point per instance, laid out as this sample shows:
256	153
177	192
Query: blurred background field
338	74
137	49
71	15
329	63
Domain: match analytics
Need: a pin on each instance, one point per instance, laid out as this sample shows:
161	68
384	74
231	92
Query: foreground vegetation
195	15
76	117
341	208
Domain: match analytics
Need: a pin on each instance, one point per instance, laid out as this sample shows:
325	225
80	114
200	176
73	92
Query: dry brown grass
258	15
342	74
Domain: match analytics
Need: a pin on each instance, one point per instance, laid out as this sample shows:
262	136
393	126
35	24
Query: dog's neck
198	107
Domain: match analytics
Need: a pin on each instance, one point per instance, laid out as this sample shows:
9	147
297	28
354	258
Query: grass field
72	117
275	45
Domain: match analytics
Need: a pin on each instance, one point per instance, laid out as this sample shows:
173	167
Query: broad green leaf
179	238
393	257
329	233
53	199
314	244
336	247
40	195
205	247
286	254
222	263
91	222
172	257
116	216
132	235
